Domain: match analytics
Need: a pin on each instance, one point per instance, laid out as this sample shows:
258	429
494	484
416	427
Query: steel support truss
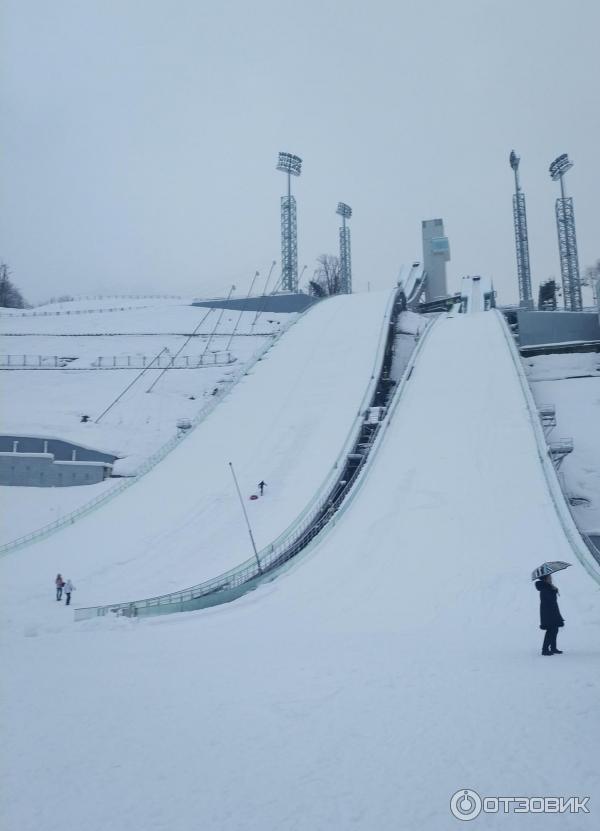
569	261
345	261
522	247
289	245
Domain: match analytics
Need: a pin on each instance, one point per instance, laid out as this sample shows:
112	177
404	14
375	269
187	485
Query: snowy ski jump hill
66	360
394	664
285	423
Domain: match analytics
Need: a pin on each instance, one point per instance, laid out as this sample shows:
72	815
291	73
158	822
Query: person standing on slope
59	583
261	487
550	617
69	588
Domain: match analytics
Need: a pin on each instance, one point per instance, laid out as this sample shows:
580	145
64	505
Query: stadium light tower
345	211
567	240
292	166
521	239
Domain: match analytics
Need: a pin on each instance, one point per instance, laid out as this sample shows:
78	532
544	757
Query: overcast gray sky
140	136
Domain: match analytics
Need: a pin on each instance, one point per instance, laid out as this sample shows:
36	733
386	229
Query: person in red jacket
59	583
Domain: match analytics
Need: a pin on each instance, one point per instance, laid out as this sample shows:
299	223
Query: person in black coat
550	617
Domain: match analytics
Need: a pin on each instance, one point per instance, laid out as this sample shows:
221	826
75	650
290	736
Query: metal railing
576	538
35	361
155	458
43	362
75	312
198	335
315	517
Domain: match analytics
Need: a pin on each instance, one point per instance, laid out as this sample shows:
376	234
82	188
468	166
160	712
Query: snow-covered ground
286	423
394	665
148	319
50	403
571	383
83	304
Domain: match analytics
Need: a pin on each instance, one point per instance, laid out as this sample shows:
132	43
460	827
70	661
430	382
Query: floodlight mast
292	166
345	211
567	238
521	238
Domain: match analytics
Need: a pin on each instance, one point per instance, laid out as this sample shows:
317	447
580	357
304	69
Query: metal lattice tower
521	238
292	166
345	211
567	239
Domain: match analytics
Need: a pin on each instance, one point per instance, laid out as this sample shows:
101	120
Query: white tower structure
436	253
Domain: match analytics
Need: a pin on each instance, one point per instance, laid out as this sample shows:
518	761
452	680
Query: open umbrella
548	568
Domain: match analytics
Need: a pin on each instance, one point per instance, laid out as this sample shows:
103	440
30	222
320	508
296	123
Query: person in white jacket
68	588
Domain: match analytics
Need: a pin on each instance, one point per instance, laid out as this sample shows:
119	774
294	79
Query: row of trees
327	277
10	296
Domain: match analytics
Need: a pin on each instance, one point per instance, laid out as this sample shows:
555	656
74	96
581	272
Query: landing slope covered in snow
285	423
81	336
395	664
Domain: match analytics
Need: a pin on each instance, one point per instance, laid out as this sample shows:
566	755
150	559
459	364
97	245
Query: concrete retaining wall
42	471
541	328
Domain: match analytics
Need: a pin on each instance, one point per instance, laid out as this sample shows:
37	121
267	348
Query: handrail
155	458
301	532
572	533
75	312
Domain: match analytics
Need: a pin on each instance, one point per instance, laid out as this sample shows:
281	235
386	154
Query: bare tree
326	278
547	296
10	296
591	274
316	289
